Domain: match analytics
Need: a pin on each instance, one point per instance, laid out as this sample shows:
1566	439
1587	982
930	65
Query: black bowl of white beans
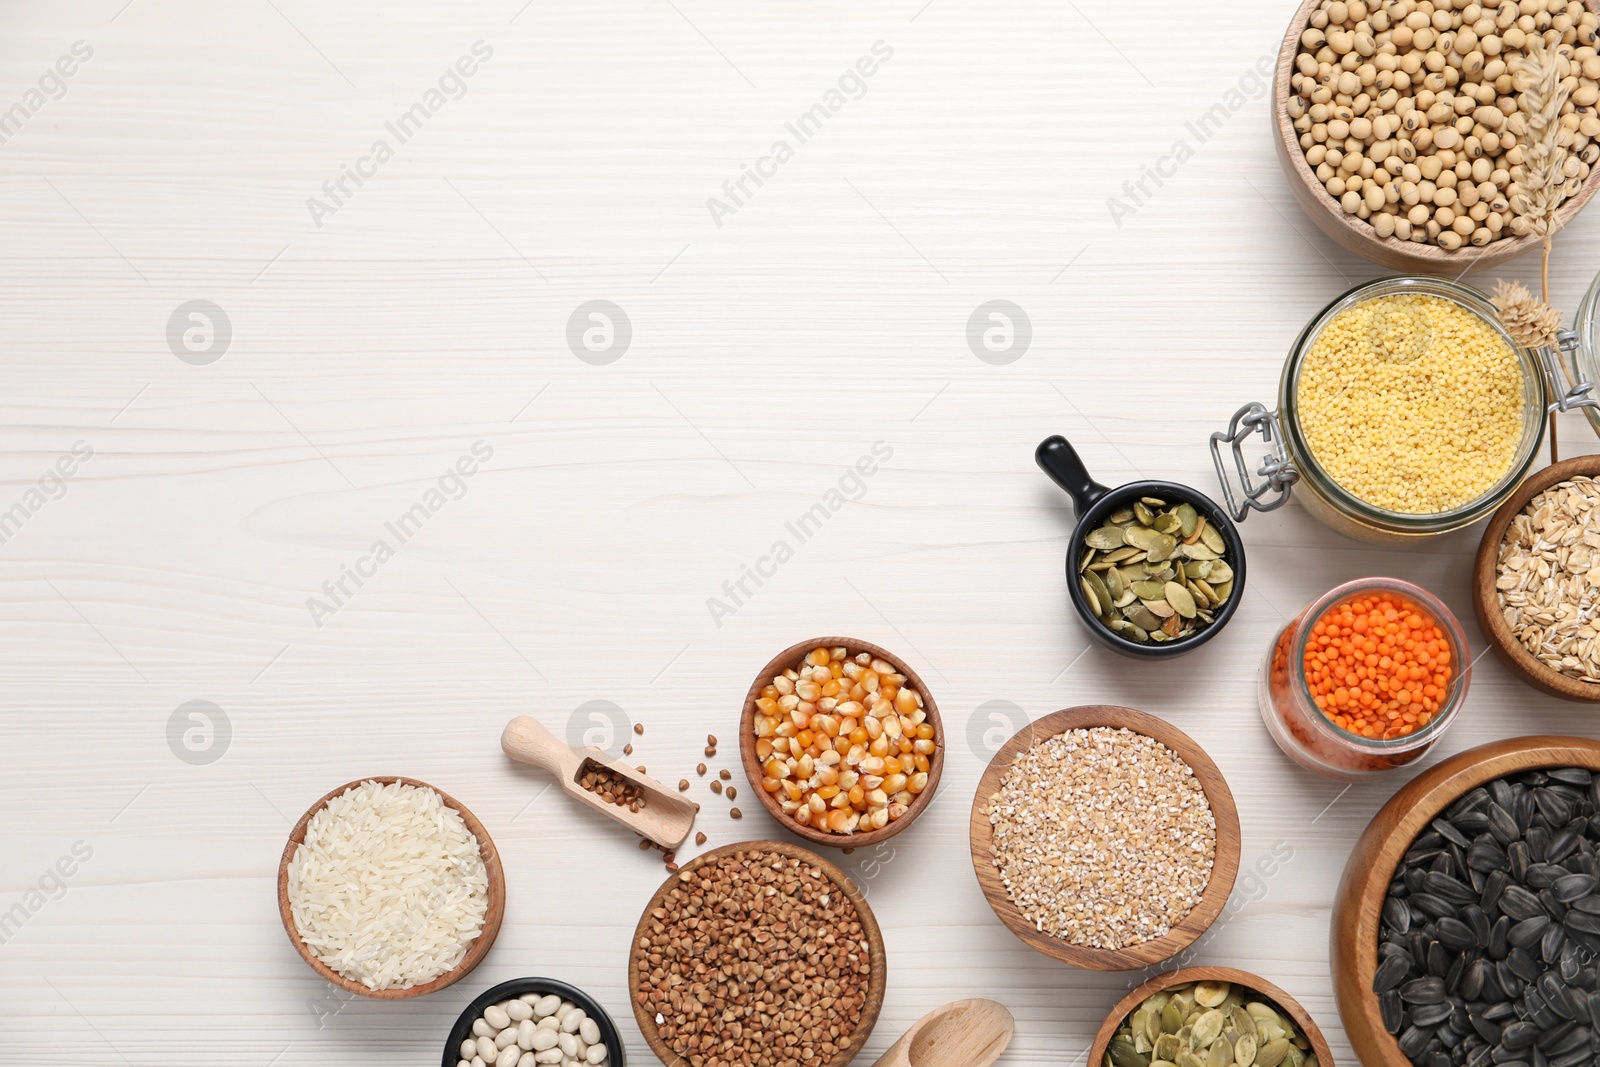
534	1022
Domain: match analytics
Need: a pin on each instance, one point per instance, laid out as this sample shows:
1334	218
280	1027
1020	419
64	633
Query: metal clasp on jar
1277	471
1569	393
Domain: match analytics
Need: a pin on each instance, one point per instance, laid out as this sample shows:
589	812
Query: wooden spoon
963	1033
666	817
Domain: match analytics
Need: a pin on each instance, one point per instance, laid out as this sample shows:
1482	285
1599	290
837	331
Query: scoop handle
1057	458
526	740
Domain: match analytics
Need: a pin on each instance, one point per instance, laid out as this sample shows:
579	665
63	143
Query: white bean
527	1060
509	1057
546	1005
508	1036
568	1044
596	1054
469	1048
544	1038
590	1031
496	1017
488	1050
481	1029
477	1061
572	1020
518	1010
549	1022
525	1034
464	1063
549	1055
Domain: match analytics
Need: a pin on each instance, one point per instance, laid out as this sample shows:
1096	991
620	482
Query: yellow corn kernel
808	691
831	688
817	657
880	747
767	705
838	821
894	783
905	701
763	749
877	798
917	782
903	797
892	728
842	744
817	803
848	779
805	767
776	768
859	736
891	765
869	681
922	763
793	789
925	731
802	815
873	727
771	785
842	800
923	746
896	810
870	782
827	792
827	776
857	795
780	745
783	685
829	758
787	729
879	819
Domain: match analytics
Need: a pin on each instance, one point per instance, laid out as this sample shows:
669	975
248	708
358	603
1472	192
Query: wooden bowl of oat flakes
1536	581
1105	838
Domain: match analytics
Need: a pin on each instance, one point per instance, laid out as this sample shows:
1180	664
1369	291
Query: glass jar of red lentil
1525	395
1367	678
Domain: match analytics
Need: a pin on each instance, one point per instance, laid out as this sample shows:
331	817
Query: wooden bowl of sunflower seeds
1273	1031
1467	922
1104	838
815	1000
1536	581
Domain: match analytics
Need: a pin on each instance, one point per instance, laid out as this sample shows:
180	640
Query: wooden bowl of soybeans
1409	147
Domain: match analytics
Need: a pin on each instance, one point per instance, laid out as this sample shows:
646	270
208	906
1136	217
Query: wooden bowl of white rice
390	888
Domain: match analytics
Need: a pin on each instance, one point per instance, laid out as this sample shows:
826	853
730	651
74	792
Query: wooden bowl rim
1358	904
1389	250
1285	1003
1486	601
491	920
752	766
877	981
1224	871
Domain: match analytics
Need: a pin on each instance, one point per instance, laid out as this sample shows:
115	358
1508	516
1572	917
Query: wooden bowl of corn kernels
1345	220
866	755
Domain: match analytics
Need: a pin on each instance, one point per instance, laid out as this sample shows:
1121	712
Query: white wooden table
377	338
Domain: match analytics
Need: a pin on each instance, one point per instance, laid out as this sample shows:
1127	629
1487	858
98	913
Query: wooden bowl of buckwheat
1405	138
1536	581
816	995
1105	838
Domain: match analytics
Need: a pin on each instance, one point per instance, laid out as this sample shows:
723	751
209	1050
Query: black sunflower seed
1432	1014
1392	1010
1571	887
1485	855
1518	903
1555	808
1390	973
1493	886
1413	1039
1397	914
1528	931
1503	825
1434	907
1523	965
1551	943
1500	938
1562	845
1518	1035
1583	922
1545	875
1427	990
1448	831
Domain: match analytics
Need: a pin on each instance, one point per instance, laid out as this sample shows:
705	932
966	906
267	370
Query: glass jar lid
1581	346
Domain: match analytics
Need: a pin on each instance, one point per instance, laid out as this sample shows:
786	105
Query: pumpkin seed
1272	1053
1162	548
1188	518
1102	595
1211	537
1123	1054
1182	602
1088	594
1142	512
1219	572
1121	516
1244	1050
1207	1028
1150	590
1166	1047
1198	551
1114	583
1211	994
1106	537
1140	536
1168	523
1159	608
1220	1054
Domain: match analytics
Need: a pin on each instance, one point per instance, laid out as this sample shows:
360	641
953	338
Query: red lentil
1377	667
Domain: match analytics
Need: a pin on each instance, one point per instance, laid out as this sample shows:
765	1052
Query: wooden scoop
666	817
963	1033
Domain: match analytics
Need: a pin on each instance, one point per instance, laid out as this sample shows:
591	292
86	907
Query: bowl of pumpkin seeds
1209	1017
1155	568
